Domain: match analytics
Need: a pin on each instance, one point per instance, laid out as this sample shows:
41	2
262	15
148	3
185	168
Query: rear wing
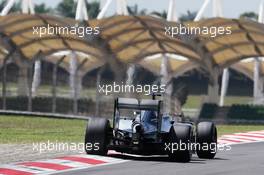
150	104
145	104
132	103
127	103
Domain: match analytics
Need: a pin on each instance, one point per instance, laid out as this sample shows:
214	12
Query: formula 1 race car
140	127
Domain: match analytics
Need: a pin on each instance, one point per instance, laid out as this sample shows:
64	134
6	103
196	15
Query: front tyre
206	140
96	136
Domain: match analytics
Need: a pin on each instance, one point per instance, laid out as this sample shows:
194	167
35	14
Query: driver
149	120
149	117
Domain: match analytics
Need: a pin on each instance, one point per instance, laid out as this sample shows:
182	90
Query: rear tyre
180	136
96	136
207	140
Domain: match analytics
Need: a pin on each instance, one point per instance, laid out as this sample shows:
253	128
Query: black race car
140	127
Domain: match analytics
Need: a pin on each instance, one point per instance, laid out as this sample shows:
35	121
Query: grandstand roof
132	38
90	63
17	35
244	41
178	66
247	67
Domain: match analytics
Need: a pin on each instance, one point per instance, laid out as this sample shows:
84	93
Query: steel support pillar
165	80
213	89
225	82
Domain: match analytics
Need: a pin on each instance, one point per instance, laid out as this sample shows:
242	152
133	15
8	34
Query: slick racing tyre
206	140
96	136
180	136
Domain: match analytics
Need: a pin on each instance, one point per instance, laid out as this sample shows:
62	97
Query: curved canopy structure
89	63
244	39
18	34
130	39
247	68
177	66
180	66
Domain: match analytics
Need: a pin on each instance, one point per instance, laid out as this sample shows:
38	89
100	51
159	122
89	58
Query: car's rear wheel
96	136
180	141
206	140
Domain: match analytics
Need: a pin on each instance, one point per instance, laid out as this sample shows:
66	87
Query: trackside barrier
233	114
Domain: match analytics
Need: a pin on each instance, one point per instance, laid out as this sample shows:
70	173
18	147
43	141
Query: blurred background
221	79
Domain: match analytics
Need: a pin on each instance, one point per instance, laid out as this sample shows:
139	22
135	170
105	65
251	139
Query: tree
66	8
162	14
93	9
41	8
2	4
188	17
133	10
15	8
249	15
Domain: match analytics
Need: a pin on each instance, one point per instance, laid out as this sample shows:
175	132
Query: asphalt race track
242	159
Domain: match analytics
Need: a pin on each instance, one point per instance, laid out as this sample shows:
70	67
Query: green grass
195	101
21	129
229	129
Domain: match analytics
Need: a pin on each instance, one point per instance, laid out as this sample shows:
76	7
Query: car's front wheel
96	136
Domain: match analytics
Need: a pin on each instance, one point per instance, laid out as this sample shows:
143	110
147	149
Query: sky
231	8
